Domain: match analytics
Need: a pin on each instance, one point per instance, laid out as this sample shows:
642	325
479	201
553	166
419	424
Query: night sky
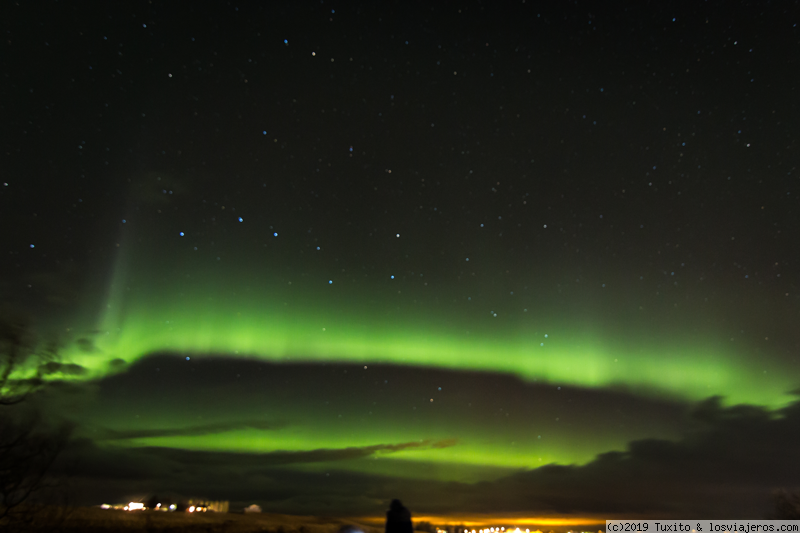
520	259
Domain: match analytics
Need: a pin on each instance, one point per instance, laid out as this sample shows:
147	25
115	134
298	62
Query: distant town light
191	509
135	506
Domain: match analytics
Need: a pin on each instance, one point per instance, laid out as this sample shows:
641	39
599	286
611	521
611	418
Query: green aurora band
160	302
198	318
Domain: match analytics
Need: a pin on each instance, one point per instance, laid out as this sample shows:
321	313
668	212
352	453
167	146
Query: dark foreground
91	520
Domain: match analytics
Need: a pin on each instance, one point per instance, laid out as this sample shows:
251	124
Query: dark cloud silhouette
188	431
101	473
726	466
86	345
116	364
717	462
53	367
293	457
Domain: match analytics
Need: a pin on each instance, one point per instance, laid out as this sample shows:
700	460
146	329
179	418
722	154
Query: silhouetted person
398	519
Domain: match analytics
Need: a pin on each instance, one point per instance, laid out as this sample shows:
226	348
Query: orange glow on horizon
488	521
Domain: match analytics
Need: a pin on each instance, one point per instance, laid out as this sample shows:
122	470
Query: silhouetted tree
15	353
26	455
27	447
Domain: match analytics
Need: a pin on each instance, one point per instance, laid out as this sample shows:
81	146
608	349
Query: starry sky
519	259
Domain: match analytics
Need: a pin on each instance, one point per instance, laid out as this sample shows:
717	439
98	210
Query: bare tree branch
28	447
16	349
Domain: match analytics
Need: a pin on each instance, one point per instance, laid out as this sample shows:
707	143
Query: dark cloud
86	345
292	457
161	377
100	465
727	466
188	431
118	472
116	364
719	462
53	367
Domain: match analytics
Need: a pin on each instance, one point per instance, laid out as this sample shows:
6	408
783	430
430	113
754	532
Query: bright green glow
496	450
480	449
239	314
161	305
197	326
472	452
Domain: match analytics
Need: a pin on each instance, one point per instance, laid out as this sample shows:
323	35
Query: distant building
202	506
218	506
252	509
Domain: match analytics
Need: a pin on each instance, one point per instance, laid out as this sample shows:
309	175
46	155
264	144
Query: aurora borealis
188	320
486	259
